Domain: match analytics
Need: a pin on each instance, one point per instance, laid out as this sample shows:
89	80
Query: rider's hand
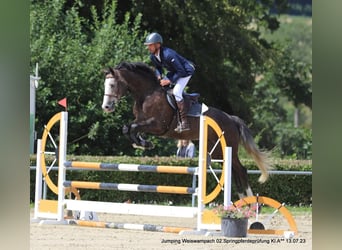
164	82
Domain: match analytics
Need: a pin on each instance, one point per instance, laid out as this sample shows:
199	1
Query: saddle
190	99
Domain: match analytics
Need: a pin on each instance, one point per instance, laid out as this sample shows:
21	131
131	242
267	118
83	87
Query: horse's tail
261	158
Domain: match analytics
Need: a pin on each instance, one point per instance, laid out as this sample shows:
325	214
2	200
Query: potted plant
234	218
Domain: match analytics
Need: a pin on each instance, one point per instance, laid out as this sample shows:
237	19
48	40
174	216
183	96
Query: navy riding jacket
176	65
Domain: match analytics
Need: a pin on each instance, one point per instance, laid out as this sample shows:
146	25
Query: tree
72	51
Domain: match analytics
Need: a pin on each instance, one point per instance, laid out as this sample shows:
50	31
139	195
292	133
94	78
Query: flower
235	211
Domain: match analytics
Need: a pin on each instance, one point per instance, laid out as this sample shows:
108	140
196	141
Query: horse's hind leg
241	179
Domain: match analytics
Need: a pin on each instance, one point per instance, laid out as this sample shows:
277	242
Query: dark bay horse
155	116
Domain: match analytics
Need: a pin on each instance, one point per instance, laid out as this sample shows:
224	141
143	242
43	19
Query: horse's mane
139	67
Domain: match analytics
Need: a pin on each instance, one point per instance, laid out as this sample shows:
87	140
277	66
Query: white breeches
179	87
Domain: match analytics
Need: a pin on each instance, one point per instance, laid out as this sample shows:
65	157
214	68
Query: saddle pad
195	110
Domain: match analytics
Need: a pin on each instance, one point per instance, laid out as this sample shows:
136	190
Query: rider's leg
178	93
183	125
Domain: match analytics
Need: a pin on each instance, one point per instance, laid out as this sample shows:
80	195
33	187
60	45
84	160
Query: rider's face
153	48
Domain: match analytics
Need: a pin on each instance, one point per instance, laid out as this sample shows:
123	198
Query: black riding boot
183	125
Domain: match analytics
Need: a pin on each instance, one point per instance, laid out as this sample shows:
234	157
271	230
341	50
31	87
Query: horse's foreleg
126	130
137	140
143	144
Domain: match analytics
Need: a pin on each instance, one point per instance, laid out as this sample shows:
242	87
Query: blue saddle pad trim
195	110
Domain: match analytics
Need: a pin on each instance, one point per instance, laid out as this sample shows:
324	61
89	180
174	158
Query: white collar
158	55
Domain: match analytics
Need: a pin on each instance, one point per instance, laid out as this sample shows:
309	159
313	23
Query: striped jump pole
130	167
130	226
130	187
132	209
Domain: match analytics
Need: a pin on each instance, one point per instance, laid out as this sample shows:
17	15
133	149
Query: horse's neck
139	86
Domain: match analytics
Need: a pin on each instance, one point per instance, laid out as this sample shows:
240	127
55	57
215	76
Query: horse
155	115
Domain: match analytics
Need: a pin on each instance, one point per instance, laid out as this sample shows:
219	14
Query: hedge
291	189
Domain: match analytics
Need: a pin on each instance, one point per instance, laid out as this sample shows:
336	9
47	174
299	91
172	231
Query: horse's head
114	89
138	78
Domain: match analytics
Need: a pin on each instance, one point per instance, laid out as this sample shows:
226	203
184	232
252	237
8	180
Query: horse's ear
105	71
108	71
111	71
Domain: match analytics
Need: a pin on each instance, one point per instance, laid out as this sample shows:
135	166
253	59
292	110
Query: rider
179	72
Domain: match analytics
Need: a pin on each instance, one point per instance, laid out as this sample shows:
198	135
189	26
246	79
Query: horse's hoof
125	129
147	145
134	145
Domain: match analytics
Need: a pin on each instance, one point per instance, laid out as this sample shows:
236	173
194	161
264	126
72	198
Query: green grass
299	210
295	210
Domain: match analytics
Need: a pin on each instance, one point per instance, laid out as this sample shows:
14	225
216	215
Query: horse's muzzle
109	107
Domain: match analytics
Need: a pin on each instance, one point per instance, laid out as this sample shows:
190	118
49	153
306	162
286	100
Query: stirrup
181	127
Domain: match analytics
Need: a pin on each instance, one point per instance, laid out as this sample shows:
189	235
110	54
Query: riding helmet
153	38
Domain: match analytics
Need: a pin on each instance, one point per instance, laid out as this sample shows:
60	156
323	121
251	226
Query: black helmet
153	38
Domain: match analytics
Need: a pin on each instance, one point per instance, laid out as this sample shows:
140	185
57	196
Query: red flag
63	102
